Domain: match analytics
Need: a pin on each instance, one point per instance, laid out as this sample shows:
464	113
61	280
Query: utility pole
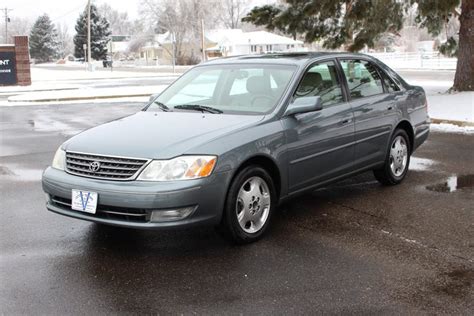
7	20
202	41
89	64
174	53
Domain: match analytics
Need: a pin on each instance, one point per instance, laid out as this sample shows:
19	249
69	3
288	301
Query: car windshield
237	89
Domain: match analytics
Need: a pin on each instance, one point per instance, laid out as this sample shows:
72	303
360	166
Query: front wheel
249	205
397	160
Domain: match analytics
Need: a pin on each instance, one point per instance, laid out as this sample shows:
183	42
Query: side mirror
304	105
153	97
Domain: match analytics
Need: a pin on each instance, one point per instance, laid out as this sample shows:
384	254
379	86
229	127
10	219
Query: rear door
321	143
374	110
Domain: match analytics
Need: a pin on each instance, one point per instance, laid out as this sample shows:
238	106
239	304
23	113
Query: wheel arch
268	163
408	128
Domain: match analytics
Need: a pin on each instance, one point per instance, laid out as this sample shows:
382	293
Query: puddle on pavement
453	183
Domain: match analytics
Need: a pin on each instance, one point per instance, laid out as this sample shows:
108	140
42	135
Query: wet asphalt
352	248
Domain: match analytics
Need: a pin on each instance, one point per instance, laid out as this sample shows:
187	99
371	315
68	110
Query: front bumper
139	197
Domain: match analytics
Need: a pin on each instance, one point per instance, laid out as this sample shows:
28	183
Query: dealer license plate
84	201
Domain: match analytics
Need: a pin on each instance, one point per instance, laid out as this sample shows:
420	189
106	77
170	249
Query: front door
320	144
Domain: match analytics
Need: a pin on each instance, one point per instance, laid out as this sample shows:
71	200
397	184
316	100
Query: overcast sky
63	11
67	11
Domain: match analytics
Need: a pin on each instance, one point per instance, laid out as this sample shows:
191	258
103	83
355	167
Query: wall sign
7	68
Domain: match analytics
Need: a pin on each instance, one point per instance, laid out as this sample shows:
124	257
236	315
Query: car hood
158	135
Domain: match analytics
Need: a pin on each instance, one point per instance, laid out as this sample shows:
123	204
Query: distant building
118	45
218	43
231	42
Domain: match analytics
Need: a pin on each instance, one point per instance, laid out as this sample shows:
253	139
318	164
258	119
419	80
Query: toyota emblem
94	166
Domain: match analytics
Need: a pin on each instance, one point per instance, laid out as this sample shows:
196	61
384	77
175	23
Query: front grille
110	168
108	212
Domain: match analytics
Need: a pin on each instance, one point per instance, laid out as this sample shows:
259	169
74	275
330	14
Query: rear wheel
249	205
397	161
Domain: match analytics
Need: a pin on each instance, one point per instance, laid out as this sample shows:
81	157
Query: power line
67	13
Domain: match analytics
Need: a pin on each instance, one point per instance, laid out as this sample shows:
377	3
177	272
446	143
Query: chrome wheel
253	204
398	156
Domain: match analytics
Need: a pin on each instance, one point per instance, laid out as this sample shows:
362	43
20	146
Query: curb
453	122
84	98
16	92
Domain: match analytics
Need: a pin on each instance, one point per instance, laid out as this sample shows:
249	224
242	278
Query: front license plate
84	201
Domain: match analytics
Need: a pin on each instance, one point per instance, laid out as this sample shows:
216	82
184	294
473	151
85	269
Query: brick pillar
22	52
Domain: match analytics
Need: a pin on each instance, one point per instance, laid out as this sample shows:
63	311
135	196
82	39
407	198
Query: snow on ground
88	93
451	128
38	86
455	106
421	164
142	99
39	74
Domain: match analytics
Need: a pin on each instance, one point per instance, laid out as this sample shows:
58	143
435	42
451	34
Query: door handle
346	121
390	107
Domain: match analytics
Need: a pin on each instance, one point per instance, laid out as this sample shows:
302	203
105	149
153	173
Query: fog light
171	214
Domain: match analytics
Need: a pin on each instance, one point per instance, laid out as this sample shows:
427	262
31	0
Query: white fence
416	60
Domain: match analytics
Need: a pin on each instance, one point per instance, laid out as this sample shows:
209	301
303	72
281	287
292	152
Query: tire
250	203
397	160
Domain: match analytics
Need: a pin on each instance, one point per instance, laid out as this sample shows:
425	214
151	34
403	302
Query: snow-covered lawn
39	74
452	107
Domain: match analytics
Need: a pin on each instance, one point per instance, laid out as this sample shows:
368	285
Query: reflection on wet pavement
453	183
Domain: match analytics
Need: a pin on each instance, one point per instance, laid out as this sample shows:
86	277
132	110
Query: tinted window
321	80
362	77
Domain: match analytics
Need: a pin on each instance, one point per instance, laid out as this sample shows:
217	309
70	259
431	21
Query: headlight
180	168
59	160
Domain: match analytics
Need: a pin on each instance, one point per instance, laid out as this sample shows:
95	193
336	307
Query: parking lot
353	247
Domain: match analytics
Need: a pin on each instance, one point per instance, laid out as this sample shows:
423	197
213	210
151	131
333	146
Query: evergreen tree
354	24
43	40
434	15
100	35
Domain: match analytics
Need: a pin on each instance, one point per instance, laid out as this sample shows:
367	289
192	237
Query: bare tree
65	40
120	23
233	11
181	19
16	26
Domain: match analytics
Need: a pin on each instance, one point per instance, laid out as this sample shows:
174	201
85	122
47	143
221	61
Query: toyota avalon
234	137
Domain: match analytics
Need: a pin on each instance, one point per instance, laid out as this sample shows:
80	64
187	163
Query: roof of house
238	37
226	37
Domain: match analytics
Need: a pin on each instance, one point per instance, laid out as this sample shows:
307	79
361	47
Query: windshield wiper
198	107
162	106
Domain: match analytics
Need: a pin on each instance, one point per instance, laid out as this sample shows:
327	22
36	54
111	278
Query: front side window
321	80
231	88
362	78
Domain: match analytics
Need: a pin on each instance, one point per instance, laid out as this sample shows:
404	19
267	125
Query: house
159	50
218	43
118	46
231	42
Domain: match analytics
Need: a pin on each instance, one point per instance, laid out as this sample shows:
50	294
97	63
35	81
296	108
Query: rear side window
362	77
390	85
321	80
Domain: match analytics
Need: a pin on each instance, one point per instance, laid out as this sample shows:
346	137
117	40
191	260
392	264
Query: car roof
296	58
